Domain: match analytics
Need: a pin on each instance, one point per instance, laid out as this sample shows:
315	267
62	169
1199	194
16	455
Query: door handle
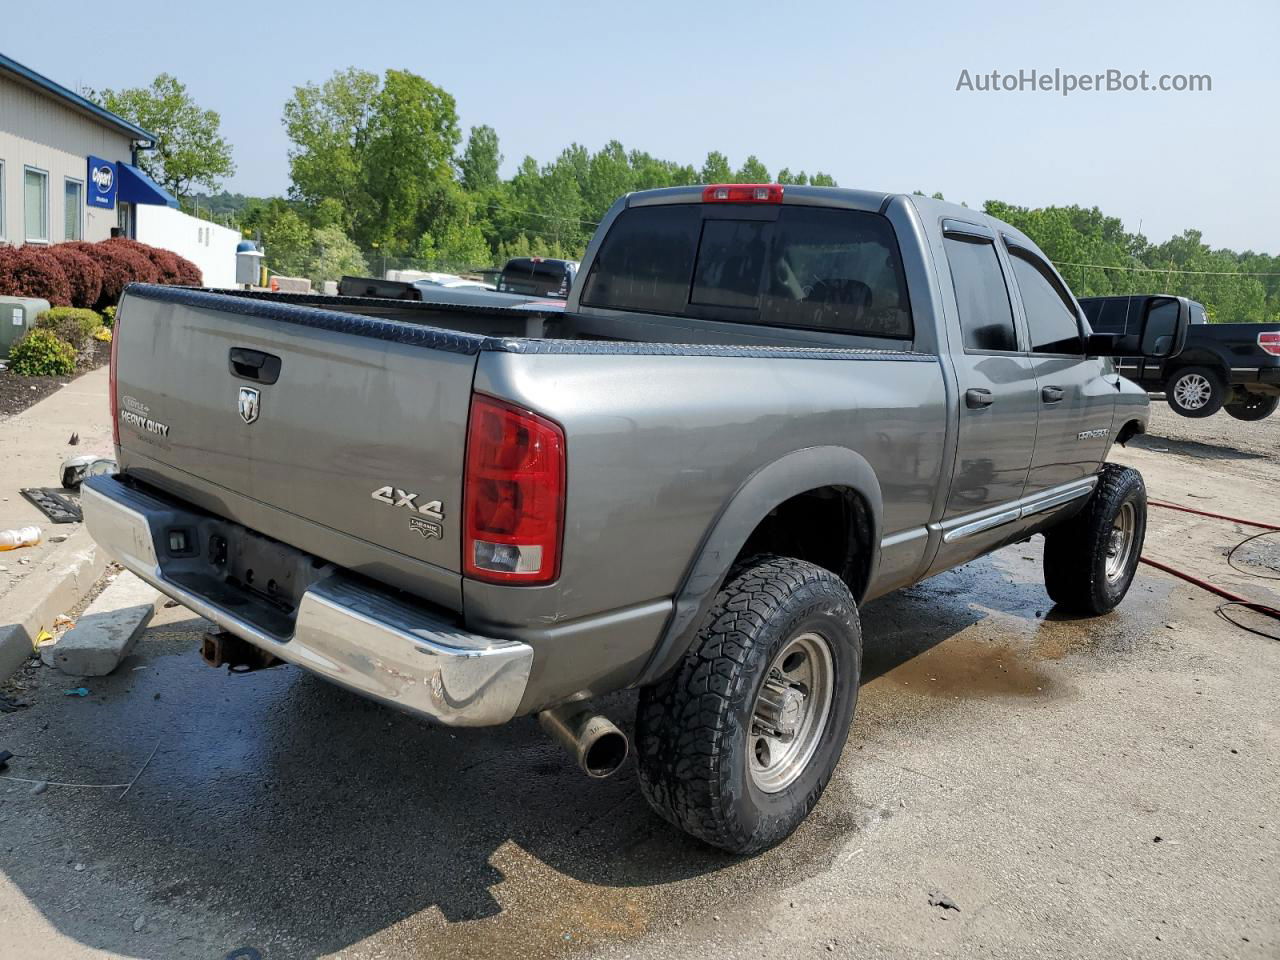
254	365
1051	394
975	398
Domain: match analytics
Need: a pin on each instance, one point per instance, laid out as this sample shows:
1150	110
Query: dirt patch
17	393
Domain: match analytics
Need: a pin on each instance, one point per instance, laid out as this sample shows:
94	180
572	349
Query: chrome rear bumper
358	636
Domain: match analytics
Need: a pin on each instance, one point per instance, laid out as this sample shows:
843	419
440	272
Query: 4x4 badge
250	404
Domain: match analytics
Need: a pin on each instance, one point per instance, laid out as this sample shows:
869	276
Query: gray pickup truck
760	408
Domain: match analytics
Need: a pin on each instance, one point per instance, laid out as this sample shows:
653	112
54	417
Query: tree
332	256
821	179
715	169
326	125
752	171
189	148
381	150
480	160
286	237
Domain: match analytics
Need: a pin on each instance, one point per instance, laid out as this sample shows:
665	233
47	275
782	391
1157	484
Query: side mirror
1161	334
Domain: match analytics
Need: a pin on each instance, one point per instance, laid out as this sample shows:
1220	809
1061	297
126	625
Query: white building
66	164
210	247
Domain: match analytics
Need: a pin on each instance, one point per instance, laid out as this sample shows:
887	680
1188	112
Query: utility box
248	265
17	316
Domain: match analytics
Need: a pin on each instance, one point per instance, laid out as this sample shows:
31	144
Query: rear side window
646	260
1051	318
986	318
811	267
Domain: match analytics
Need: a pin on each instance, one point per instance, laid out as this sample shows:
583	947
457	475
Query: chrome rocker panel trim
968	525
356	636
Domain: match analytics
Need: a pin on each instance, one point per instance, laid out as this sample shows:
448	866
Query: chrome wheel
791	711
1192	391
1121	540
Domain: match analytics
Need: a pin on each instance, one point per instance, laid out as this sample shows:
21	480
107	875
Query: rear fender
767	488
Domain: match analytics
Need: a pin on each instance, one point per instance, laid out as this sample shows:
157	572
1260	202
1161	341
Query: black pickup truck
1235	366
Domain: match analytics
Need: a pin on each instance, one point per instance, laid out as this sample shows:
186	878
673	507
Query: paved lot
1100	788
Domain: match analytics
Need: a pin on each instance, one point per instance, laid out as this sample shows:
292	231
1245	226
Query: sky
864	93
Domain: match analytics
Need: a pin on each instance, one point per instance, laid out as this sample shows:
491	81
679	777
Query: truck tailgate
354	453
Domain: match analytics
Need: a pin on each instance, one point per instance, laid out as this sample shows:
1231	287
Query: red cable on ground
1230	596
1205	513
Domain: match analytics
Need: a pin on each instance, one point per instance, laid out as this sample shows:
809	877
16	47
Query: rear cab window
813	268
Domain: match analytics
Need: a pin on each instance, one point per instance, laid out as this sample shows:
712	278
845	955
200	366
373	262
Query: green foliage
480	160
333	254
109	317
375	151
752	171
73	325
190	149
41	353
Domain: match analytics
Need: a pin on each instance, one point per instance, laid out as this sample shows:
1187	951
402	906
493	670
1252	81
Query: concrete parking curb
62	580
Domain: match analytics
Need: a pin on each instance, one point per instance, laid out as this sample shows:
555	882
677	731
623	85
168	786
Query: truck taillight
742	193
1270	342
111	382
513	494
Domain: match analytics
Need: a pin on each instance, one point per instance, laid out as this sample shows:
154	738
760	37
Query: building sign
102	184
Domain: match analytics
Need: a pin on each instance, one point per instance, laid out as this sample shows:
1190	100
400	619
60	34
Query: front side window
36	205
986	318
73	209
810	267
1051	317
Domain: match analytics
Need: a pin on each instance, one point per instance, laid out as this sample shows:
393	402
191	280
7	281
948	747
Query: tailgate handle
254	365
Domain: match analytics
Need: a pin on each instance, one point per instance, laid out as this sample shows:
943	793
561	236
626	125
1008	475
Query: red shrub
188	273
33	272
83	274
121	266
169	265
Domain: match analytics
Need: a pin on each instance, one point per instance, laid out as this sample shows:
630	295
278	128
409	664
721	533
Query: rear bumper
359	636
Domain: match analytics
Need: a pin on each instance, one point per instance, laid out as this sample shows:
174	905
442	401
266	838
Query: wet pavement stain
966	667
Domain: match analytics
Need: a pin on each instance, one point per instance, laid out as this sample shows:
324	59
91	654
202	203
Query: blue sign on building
102	184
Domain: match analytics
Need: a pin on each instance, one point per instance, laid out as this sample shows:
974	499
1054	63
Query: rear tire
736	746
1254	406
1196	392
1090	560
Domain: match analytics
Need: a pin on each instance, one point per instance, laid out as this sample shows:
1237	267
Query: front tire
1253	406
736	746
1090	561
1196	392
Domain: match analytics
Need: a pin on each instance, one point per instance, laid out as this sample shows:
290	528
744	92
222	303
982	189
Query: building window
73	212
35	185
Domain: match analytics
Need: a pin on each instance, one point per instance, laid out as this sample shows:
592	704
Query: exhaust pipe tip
595	743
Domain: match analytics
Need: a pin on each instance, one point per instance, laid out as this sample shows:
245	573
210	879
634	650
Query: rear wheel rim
1192	391
791	712
1121	541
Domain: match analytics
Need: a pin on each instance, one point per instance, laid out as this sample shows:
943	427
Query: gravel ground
1074	788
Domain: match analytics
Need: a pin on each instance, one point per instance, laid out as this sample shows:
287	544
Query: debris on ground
39	788
939	899
77	692
5	757
139	923
8	705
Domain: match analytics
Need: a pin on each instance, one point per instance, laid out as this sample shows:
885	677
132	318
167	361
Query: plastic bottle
22	537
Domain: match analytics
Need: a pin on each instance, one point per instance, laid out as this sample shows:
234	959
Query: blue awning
137	187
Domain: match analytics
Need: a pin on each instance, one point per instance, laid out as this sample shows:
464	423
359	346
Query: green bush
109	317
74	325
41	353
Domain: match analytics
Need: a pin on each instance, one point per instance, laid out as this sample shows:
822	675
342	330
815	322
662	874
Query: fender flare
767	488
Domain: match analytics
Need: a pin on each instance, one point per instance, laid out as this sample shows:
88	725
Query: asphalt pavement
1076	788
